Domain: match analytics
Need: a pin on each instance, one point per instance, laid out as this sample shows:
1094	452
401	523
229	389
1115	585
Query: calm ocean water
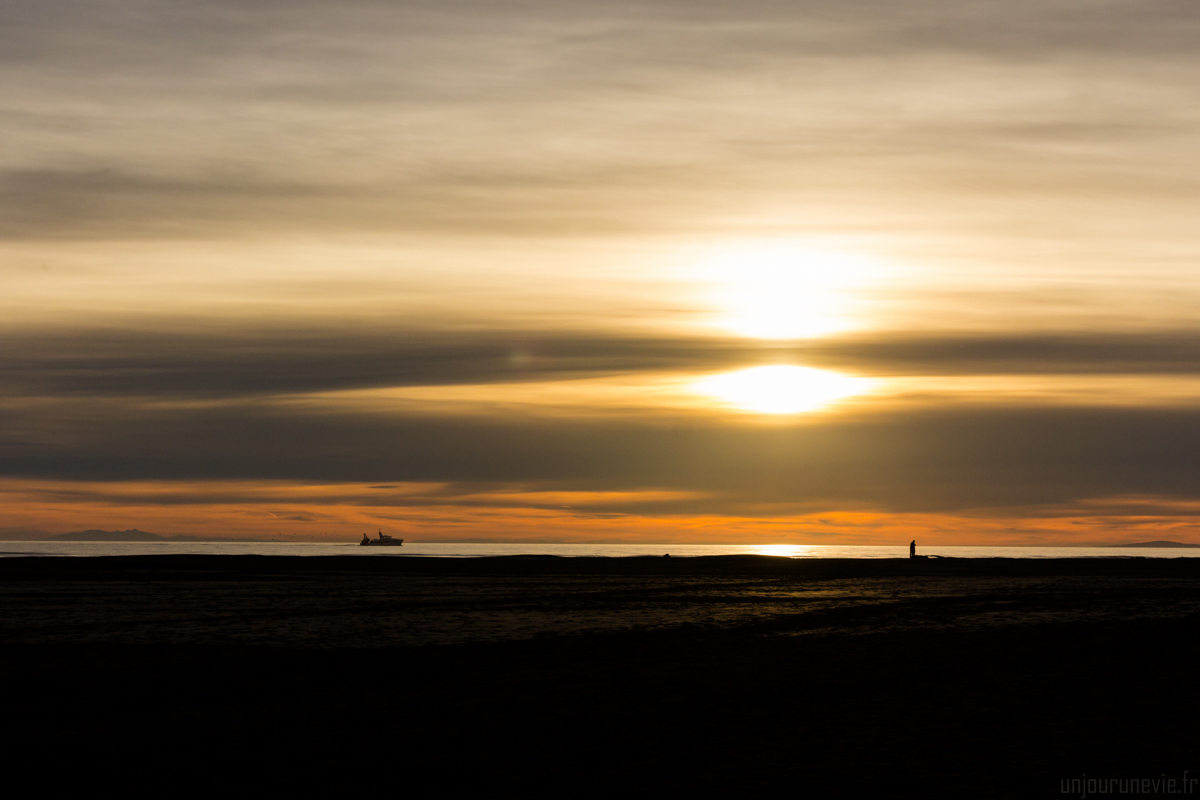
455	550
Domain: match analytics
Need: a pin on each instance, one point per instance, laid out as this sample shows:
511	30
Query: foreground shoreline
534	565
601	677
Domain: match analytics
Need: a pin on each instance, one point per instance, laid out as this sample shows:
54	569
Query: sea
477	550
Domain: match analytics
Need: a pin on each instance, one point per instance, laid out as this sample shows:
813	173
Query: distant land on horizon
134	535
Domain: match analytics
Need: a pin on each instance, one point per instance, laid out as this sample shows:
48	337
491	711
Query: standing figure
912	549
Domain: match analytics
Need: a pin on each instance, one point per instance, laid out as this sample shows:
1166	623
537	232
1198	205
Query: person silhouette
912	549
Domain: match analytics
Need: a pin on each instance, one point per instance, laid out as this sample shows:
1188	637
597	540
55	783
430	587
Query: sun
781	389
773	290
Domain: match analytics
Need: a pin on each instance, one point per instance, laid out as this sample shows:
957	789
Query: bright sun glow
785	290
781	389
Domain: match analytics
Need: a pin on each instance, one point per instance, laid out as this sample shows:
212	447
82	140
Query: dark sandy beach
595	677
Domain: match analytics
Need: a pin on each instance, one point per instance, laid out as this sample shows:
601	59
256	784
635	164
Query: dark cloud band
933	460
263	362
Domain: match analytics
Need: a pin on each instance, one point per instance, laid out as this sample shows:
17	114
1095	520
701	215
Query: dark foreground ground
722	676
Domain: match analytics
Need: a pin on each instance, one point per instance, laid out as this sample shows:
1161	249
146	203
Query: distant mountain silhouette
131	535
134	535
1154	544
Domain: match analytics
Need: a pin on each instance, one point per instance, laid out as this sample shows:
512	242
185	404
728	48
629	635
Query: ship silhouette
383	539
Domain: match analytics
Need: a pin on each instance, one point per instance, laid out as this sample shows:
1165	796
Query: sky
804	272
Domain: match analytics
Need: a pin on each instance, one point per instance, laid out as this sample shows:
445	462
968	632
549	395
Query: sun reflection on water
786	550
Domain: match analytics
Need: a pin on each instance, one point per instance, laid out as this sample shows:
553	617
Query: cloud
1037	147
144	119
935	459
215	361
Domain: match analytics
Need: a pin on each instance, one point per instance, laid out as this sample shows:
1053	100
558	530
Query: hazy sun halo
784	290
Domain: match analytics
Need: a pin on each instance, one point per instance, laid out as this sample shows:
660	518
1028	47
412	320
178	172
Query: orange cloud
437	512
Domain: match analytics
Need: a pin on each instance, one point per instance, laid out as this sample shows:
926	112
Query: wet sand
593	677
